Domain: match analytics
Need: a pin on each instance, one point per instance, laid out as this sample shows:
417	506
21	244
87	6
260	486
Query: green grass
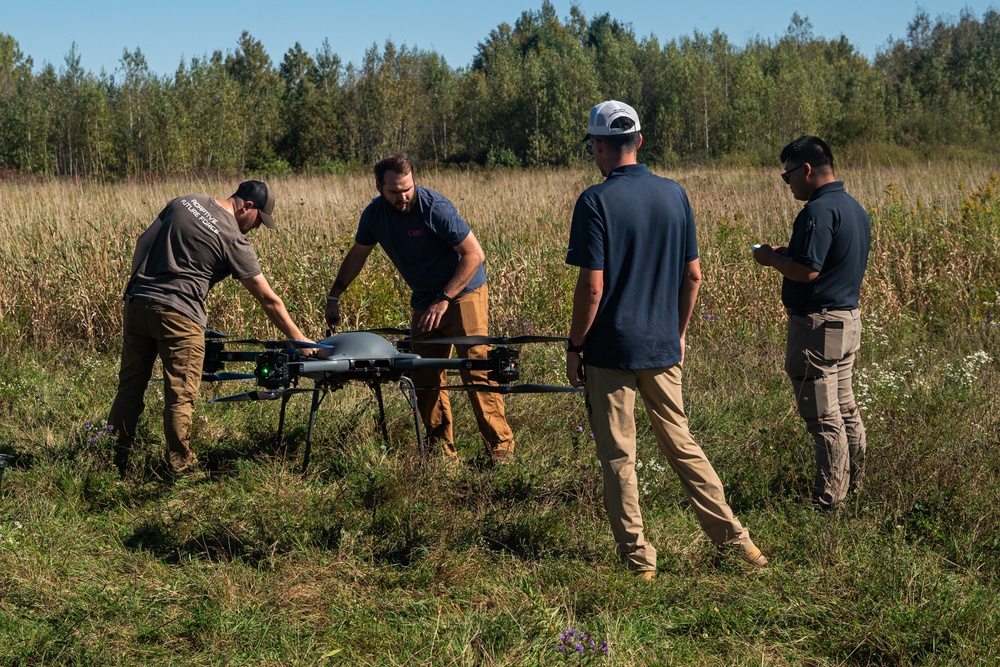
371	560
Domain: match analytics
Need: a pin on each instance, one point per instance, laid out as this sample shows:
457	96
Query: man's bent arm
472	258
353	262
785	265
273	306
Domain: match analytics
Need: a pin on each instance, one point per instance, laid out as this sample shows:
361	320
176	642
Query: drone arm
274	308
420	363
325	366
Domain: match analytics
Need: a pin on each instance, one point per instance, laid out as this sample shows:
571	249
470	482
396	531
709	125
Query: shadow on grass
224	542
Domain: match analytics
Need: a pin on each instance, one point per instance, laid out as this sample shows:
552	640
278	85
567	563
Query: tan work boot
501	457
645	575
749	552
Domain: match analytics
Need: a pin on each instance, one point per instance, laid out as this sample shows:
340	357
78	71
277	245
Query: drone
361	356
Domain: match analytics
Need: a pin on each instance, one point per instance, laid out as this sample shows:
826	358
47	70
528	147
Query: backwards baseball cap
262	198
603	116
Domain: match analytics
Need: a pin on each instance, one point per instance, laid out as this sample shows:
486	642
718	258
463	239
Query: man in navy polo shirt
441	260
823	266
633	239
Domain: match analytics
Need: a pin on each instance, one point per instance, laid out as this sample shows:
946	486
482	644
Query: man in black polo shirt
823	266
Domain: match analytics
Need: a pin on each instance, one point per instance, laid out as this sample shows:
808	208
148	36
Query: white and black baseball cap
604	115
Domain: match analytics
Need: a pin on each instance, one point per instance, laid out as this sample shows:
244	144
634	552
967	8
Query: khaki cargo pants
152	330
819	360
610	395
467	316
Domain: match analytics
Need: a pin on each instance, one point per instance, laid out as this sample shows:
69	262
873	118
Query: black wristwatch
573	348
444	297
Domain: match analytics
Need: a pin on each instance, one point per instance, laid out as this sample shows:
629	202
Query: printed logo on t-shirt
413	232
202	215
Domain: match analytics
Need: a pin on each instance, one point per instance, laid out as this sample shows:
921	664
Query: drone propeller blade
269	344
212	333
222	377
308	344
248	396
515	388
487	340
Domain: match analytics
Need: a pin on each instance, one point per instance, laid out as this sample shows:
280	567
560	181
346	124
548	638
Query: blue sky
171	31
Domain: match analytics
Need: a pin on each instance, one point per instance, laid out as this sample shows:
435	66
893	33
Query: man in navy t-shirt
823	266
633	239
441	260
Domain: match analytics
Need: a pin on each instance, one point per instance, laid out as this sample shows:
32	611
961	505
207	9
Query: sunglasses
785	174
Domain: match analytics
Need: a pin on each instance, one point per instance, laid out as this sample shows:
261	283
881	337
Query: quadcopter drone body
360	356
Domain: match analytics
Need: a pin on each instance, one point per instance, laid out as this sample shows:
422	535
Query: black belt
132	298
803	312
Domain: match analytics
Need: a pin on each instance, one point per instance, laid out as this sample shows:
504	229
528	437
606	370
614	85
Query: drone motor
503	367
273	370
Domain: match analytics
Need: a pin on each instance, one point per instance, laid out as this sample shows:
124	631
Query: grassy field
370	560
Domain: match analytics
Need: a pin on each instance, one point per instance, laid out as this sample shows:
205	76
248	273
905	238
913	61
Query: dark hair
808	149
621	143
398	163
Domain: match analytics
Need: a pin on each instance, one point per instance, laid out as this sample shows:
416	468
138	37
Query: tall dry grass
67	246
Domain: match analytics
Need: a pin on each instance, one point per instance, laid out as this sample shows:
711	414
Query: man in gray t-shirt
195	242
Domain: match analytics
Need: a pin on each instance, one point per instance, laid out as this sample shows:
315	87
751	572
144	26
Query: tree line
521	102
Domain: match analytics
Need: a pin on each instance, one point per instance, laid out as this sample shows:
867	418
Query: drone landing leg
281	417
376	387
318	395
410	392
